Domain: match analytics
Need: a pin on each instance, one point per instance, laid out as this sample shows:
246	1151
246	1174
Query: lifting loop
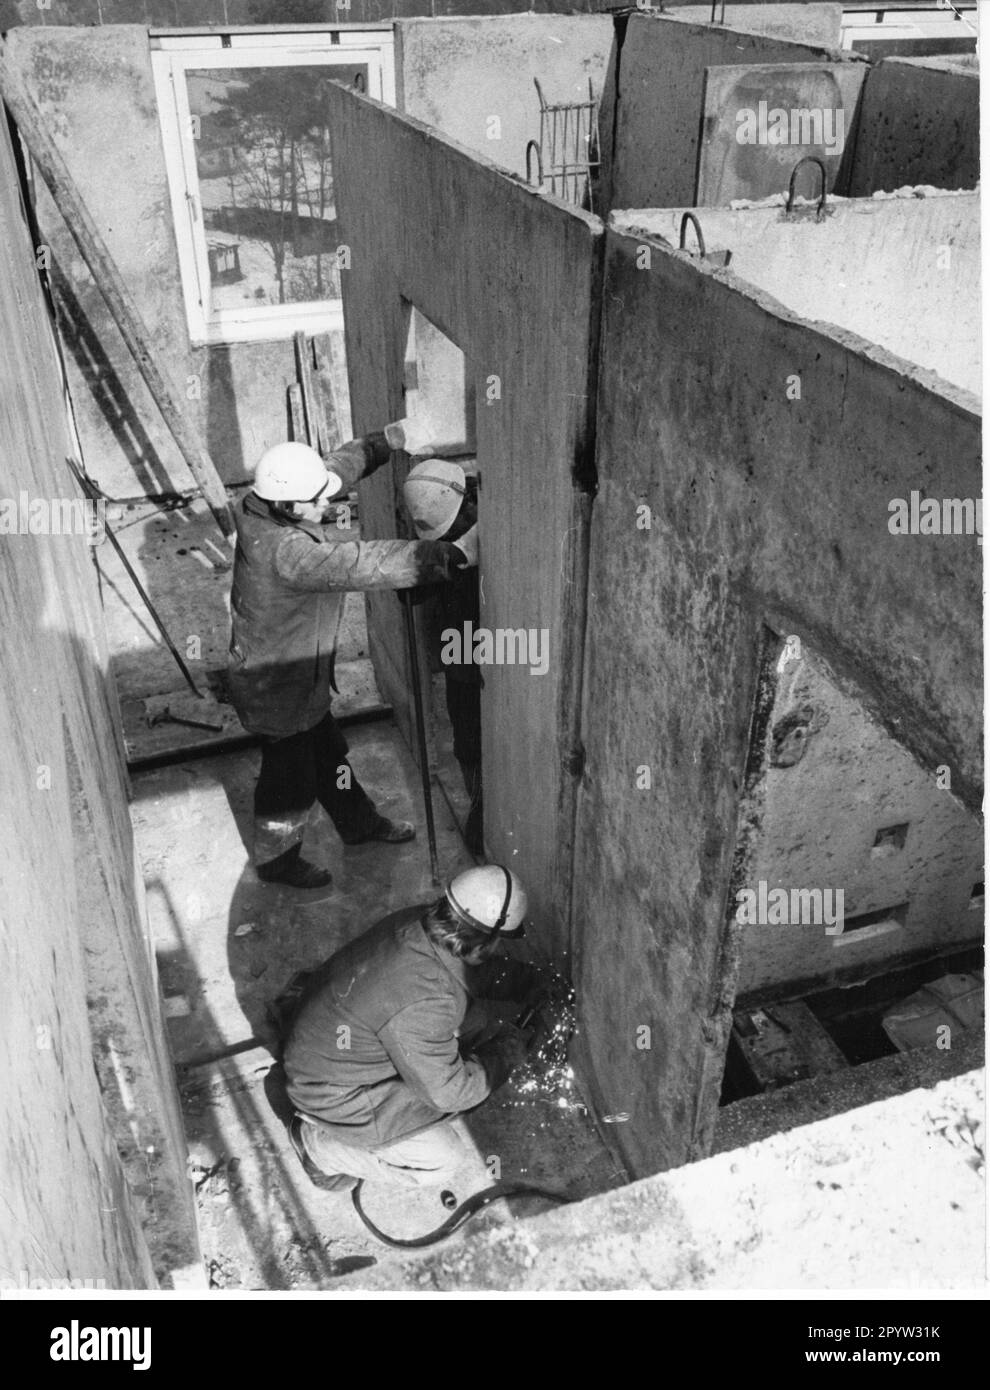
539	162
690	217
819	164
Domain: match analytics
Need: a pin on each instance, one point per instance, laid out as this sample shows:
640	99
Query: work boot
296	872
391	832
326	1182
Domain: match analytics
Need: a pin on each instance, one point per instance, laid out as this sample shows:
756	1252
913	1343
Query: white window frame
171	58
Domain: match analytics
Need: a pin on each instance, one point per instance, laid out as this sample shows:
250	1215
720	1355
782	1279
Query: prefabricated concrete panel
94	88
712	516
654	162
746	111
902	272
510	277
846	810
473	78
807	23
920	124
93	1153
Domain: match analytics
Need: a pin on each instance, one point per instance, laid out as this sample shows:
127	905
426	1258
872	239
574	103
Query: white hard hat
489	898
294	473
433	493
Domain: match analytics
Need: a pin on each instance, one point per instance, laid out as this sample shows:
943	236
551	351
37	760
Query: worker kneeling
393	1041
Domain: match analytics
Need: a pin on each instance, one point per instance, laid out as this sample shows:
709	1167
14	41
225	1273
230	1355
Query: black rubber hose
468	1208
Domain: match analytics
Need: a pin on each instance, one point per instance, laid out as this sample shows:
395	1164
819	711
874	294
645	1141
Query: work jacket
290	582
374	1052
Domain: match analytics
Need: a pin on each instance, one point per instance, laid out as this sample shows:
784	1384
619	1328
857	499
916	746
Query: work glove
414	436
468	546
502	1054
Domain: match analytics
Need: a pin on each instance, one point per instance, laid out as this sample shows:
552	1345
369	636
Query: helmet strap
508	895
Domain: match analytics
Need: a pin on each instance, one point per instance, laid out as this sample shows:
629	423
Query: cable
468	1208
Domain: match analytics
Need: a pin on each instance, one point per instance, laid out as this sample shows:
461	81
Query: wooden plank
330	416
95	253
297	413
309	435
785	1043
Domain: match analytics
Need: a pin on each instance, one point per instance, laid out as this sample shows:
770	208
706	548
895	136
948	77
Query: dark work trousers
295	772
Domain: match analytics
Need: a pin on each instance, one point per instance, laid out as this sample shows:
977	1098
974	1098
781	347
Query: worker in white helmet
293	568
383	1053
442	501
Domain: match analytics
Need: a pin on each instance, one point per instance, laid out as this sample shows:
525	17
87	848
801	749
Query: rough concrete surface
821	818
898	271
91	1149
660	100
919	124
478	254
94	88
887	1197
778	1112
457	74
776	512
807	23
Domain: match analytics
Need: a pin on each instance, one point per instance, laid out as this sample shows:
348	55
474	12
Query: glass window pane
266	183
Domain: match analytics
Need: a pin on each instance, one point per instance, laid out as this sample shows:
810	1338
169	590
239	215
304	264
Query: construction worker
391	1040
293	566
442	501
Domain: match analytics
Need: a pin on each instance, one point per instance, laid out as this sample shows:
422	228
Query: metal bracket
791	187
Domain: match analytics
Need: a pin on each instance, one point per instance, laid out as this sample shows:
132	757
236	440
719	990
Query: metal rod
424	760
92	492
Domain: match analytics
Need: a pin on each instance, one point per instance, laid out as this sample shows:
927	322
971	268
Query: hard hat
294	473
489	898
433	493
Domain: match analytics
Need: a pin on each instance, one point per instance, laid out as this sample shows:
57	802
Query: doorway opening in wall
439	391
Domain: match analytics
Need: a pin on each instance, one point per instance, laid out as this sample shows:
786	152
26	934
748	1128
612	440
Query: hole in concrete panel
439	391
889	839
438	387
870	924
977	898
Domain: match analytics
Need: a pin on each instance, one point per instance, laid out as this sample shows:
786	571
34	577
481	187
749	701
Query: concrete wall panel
458	74
732	166
93	1156
900	272
95	88
920	123
807	23
777	512
510	277
854	813
661	88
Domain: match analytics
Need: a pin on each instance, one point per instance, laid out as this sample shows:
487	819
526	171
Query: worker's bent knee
427	1159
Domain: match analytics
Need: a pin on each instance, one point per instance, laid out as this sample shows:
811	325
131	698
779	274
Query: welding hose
468	1208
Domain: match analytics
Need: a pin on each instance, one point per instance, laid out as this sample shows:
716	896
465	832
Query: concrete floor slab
227	945
887	1197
